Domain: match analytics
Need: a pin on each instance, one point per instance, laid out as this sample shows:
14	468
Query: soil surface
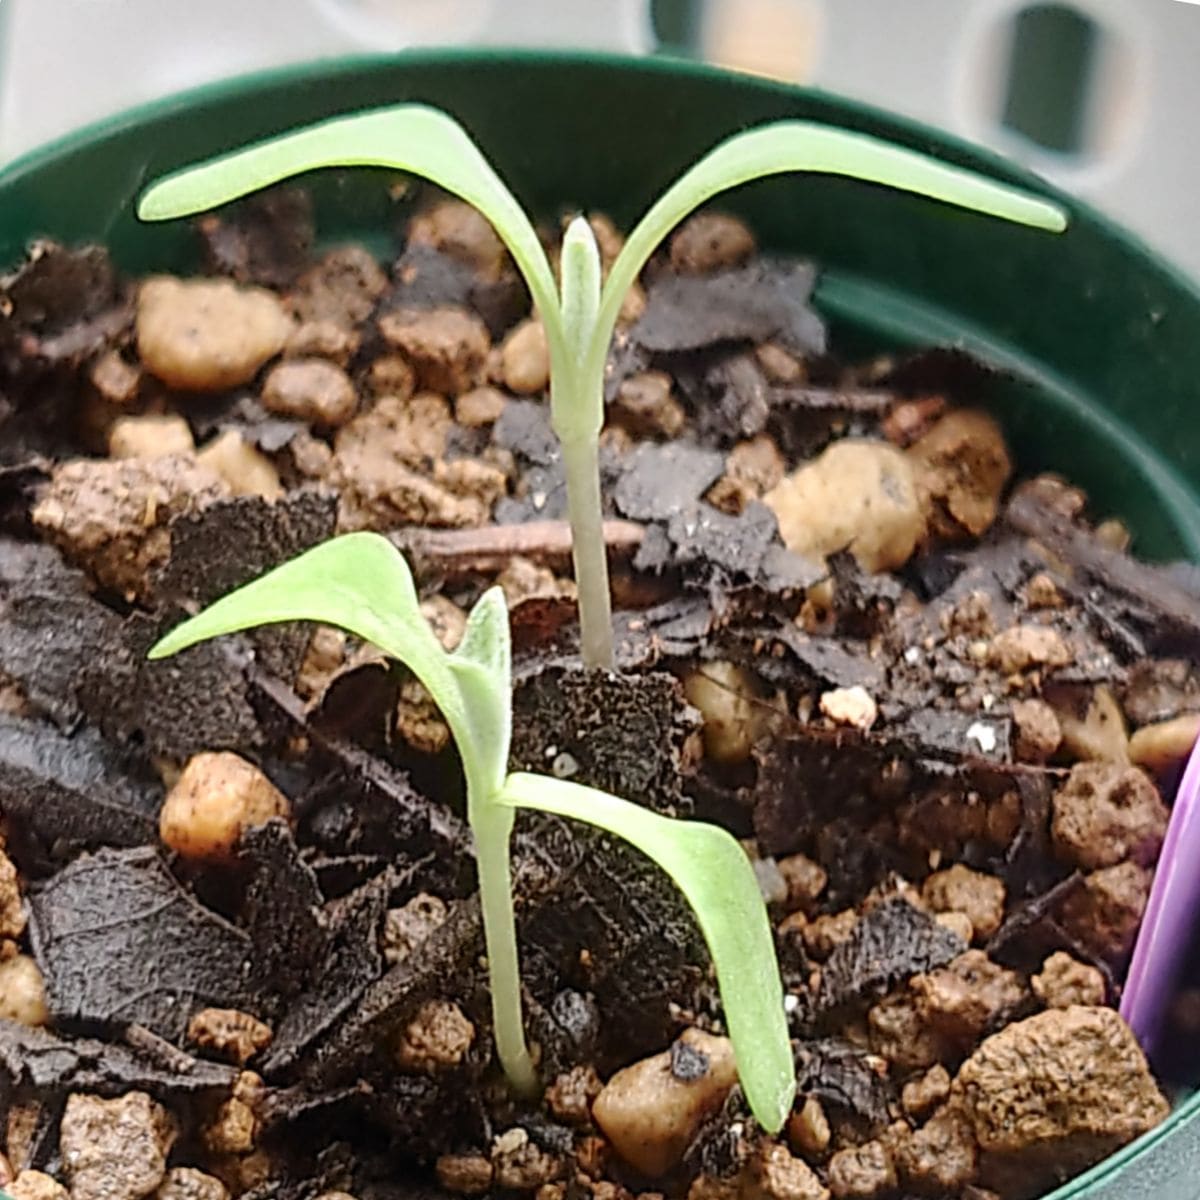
240	948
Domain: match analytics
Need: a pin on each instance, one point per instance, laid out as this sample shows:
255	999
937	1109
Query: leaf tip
157	202
165	647
148	206
579	230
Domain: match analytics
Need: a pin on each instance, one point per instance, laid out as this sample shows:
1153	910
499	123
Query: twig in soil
161	1052
1151	591
458	553
445	831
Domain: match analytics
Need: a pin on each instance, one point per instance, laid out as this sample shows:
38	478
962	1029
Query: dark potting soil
931	698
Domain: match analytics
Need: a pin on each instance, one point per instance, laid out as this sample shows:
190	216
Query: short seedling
361	583
580	317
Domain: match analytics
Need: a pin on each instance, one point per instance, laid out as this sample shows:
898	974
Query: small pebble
646	407
808	1130
856	494
777	1175
571	1095
111	516
229	1033
323	339
957	922
325	656
245	470
233	1129
862	1172
1026	646
447	347
392	375
723	692
480	406
462	232
805	879
114	1149
12	907
1067	1085
1064	981
1165	744
526	358
207	335
650	1115
564	766
1104	915
979	896
1042	592
149	437
778	365
464	1174
34	1185
1114	534
520	1164
218	797
852	706
1093	730
438	1037
962	465
23	991
709	241
186	1183
312	390
1039	733
408	926
921	1096
116	380
1106	813
825	933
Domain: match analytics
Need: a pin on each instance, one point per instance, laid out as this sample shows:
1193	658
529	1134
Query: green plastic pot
1100	339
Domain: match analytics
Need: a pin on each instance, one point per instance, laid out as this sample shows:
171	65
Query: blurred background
1097	95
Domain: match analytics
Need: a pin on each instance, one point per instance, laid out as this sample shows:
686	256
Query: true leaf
576	402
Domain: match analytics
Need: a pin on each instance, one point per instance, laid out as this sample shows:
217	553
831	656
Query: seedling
579	319
361	583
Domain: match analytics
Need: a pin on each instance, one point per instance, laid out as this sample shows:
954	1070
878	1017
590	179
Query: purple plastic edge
1170	917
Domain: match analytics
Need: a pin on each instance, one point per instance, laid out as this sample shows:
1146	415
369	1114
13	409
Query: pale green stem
581	460
493	829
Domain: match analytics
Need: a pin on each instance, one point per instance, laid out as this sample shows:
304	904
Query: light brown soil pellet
218	797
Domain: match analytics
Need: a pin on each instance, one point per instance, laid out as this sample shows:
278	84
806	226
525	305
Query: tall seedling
579	319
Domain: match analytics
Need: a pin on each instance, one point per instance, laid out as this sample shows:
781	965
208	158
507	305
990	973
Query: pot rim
666	66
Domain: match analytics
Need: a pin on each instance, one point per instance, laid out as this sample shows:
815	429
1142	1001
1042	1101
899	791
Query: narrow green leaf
576	400
786	146
405	137
360	583
482	665
715	876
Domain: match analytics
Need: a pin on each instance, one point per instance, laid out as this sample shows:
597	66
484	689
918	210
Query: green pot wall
1101	337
